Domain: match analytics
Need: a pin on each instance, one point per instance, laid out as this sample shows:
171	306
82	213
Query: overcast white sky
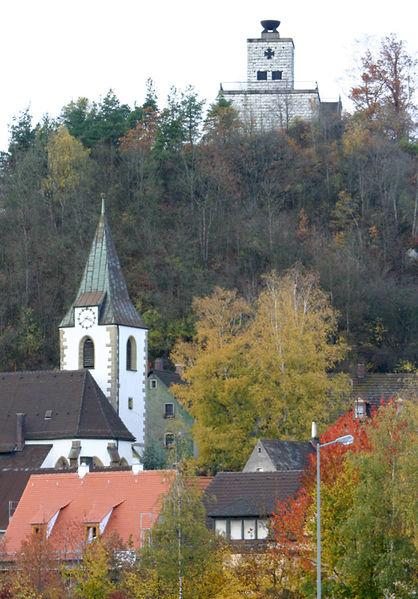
54	51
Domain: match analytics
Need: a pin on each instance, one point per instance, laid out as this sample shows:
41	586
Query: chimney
20	432
361	371
159	364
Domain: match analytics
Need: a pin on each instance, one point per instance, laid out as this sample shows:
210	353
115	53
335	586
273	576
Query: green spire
103	283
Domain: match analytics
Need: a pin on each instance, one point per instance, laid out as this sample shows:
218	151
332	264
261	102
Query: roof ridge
100	400
81	403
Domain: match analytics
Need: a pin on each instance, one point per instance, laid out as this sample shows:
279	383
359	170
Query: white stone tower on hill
270	98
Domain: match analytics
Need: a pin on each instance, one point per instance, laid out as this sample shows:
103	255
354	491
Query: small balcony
278	86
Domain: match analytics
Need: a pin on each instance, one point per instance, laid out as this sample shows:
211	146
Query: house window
88	353
236	530
153	384
131	354
262	529
48	414
130	403
249	529
261	75
169	440
169	410
220	527
276	75
92	532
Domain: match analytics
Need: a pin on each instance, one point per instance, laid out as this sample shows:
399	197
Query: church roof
103	283
57	405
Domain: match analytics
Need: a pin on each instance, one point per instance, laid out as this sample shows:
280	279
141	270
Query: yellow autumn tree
216	392
68	166
261	371
292	349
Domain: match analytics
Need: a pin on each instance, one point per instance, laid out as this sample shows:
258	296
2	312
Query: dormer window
92	532
361	408
39	529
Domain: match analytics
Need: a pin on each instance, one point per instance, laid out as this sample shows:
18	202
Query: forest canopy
198	199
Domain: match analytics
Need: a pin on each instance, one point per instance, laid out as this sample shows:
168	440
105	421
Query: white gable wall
259	460
89	448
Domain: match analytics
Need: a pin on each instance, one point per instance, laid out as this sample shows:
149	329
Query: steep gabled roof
288	455
103	283
377	386
239	494
15	469
58	405
132	500
167	377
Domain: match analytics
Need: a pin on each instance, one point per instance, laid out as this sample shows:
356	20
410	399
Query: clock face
86	318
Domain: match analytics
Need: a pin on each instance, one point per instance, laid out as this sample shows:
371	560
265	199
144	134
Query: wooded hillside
197	200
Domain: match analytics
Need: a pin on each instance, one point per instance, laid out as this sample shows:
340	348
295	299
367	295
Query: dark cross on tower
269	53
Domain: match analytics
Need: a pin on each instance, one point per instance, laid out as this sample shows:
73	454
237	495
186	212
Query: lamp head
345	440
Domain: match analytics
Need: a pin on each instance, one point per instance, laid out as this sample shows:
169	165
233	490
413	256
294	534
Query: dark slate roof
288	455
78	407
238	494
103	283
376	386
167	377
15	470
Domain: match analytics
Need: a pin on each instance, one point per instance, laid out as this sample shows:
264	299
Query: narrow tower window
276	75
88	353
131	354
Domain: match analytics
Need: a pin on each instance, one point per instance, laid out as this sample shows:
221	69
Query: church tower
102	331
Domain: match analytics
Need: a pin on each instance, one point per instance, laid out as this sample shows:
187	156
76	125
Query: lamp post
344	440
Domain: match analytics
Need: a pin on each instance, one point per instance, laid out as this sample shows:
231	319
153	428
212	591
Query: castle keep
270	98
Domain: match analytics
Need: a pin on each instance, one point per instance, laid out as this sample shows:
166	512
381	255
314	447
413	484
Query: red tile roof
133	500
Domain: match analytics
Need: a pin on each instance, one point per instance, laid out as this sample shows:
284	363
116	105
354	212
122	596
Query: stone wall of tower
266	111
281	51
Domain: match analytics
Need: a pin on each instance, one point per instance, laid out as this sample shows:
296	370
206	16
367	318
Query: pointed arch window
131	354
88	353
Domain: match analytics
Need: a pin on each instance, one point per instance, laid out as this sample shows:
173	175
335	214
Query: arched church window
88	353
131	354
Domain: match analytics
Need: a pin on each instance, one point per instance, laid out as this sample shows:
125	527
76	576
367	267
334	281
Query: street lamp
344	440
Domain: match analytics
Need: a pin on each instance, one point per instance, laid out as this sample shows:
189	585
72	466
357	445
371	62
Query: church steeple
103	332
103	283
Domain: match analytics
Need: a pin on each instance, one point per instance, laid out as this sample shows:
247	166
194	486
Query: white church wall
132	382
